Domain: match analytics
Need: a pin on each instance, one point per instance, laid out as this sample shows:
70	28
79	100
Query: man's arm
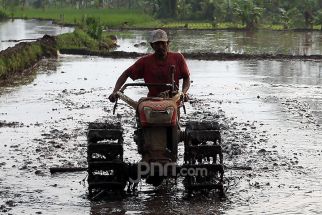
119	83
185	84
185	87
185	74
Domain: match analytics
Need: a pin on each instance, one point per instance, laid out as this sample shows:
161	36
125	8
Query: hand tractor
157	136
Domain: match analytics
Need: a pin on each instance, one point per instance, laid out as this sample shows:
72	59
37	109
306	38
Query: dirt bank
195	55
16	60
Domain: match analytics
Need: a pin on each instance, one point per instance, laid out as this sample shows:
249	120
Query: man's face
160	48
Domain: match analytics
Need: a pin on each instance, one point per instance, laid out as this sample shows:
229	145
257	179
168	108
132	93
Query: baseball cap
158	35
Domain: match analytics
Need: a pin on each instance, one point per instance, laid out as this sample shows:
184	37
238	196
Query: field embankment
193	55
15	60
24	55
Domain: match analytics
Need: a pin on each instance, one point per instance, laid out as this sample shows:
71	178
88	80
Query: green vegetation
79	39
89	35
13	61
248	14
202	25
3	14
108	17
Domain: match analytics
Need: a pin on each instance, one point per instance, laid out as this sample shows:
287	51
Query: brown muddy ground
270	119
195	55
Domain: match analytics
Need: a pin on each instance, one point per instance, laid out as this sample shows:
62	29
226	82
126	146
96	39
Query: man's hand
119	83
112	97
185	97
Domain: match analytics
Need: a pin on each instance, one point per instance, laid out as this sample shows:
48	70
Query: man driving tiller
157	132
156	67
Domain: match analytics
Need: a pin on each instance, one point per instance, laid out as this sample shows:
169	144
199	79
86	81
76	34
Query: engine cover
157	112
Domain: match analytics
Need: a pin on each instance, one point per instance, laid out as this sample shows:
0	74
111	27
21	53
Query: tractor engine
157	133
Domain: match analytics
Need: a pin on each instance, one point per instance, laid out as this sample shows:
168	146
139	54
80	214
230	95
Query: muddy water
19	29
270	112
272	42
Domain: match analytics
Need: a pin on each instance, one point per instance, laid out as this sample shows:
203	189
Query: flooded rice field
19	29
270	113
270	118
239	42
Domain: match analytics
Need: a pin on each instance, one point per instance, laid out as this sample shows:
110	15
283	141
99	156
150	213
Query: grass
3	14
77	39
2	67
116	18
17	61
201	25
108	17
81	40
24	55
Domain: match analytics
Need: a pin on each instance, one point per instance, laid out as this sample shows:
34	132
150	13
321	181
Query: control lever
182	104
115	105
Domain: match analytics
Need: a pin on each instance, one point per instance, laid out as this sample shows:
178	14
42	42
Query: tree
318	19
248	12
168	8
184	9
308	10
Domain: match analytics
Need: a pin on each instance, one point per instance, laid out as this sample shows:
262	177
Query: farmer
155	68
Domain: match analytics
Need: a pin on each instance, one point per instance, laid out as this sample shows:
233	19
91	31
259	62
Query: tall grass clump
79	39
2	68
18	59
88	35
92	26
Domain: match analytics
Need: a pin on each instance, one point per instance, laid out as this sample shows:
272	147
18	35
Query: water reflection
27	29
75	90
272	42
284	72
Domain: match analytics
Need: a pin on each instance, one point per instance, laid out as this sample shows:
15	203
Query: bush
296	18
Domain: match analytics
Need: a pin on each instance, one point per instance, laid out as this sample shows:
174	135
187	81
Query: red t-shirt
153	70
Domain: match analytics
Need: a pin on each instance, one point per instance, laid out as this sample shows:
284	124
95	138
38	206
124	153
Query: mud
196	56
10	124
269	111
270	138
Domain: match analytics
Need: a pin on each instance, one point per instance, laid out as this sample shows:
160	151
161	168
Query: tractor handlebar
144	85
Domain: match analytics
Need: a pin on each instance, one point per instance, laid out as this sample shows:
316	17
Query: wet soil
270	130
269	111
195	55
